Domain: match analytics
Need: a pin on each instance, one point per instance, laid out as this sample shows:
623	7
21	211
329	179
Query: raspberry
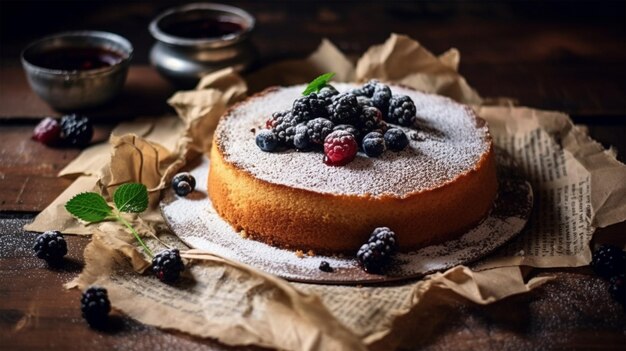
340	148
183	183
381	98
167	265
373	144
266	140
608	261
318	129
325	267
401	110
50	246
395	139
301	139
350	129
368	119
95	306
307	107
374	255
47	132
76	130
344	109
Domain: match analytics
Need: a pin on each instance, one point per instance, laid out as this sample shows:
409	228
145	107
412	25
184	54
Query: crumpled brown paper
378	317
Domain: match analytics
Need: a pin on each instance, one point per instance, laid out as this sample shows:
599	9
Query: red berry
48	131
340	148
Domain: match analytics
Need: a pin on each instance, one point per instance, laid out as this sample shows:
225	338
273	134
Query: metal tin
78	89
185	60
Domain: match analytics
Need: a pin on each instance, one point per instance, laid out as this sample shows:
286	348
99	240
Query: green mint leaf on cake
131	197
318	83
90	207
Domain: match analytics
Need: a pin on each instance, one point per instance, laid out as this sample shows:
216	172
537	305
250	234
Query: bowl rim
161	36
127	54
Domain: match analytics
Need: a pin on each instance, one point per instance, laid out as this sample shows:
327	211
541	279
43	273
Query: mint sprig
318	83
92	207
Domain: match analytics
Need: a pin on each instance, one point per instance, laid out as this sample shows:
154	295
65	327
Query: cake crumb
300	253
253	130
243	234
311	253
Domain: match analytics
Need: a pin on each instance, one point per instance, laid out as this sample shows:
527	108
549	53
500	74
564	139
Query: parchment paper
578	185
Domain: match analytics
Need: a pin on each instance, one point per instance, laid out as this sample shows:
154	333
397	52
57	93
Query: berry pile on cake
341	122
417	163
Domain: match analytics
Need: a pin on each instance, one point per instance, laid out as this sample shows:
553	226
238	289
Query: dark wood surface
561	56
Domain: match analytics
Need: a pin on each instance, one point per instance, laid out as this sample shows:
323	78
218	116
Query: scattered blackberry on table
183	183
368	119
395	139
608	261
95	306
167	265
374	255
340	148
381	98
401	110
364	101
76	130
325	267
344	109
369	87
373	144
50	246
350	129
617	288
47	132
266	140
310	106
318	129
301	139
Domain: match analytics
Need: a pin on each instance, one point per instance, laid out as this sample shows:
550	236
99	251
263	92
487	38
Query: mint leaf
318	83
90	207
131	197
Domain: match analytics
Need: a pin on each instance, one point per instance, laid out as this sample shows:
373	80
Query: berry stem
129	226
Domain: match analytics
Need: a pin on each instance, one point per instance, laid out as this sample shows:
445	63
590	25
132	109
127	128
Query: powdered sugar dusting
449	144
196	223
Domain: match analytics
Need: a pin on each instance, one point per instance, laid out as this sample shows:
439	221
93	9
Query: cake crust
305	217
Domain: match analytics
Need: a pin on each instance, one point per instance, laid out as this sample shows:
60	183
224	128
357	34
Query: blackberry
369	87
183	183
47	132
368	119
373	144
266	140
608	261
167	265
325	267
285	127
327	93
395	139
318	129
344	109
401	110
374	255
50	246
301	139
364	101
350	129
381	98
358	92
76	130
307	107
617	288
95	306
381	127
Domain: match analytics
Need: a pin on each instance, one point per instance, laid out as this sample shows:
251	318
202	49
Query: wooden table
564	56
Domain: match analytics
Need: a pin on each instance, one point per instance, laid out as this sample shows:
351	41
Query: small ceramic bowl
197	39
79	69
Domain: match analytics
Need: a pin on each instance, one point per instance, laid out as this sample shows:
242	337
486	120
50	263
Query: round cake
438	187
